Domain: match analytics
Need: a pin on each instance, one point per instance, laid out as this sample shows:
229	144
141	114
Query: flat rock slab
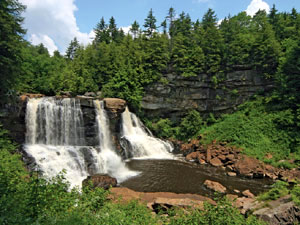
162	200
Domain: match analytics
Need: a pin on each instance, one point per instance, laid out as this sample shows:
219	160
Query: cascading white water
55	139
111	163
139	142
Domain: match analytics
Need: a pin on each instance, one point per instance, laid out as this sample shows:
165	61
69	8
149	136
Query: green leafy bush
258	128
279	189
221	214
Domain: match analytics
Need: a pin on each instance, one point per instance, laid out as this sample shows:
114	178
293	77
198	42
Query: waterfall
111	162
139	142
55	139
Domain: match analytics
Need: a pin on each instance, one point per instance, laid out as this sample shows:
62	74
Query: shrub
279	189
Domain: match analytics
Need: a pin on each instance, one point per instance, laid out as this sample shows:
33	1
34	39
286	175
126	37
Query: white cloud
256	5
53	23
45	40
126	29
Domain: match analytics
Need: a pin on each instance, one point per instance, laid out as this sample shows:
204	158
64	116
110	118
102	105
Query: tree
112	29
71	50
212	43
150	24
11	38
101	33
134	29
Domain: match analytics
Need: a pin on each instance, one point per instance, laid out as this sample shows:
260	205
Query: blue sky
56	22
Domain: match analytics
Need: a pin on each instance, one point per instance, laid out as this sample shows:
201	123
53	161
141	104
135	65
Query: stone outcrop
100	180
215	186
162	200
235	163
180	94
114	106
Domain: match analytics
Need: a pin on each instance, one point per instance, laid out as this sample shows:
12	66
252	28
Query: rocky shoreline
233	161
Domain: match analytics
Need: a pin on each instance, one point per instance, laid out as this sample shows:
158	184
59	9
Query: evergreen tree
112	29
164	26
212	43
71	50
11	33
101	33
150	24
134	29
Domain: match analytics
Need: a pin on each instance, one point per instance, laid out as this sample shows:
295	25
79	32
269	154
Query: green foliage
10	45
279	189
296	195
258	128
221	214
190	125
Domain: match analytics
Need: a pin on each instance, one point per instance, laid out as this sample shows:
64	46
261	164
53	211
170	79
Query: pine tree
101	33
134	29
150	24
71	50
11	37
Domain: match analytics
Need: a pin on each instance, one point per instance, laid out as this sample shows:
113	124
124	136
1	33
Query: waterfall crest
139	142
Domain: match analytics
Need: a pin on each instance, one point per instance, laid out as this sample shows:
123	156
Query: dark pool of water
186	177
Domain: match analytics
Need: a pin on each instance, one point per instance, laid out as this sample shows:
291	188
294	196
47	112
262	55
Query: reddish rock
230	157
232	197
222	157
290	175
202	161
192	156
249	167
231	174
100	180
271	172
208	155
216	162
24	96
236	191
248	194
215	186
114	106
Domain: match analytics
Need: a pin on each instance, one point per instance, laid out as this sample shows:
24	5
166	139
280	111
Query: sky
56	22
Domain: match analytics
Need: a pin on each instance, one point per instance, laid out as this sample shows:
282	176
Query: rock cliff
174	97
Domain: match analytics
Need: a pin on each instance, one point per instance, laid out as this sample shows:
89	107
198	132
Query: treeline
121	65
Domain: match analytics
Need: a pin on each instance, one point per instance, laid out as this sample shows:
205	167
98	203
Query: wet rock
114	106
100	180
248	194
215	186
192	156
90	94
216	162
231	174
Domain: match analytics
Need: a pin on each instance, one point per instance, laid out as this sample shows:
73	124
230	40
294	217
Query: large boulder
114	106
249	167
100	180
215	186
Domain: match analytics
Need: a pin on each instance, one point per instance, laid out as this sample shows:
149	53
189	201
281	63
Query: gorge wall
178	94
